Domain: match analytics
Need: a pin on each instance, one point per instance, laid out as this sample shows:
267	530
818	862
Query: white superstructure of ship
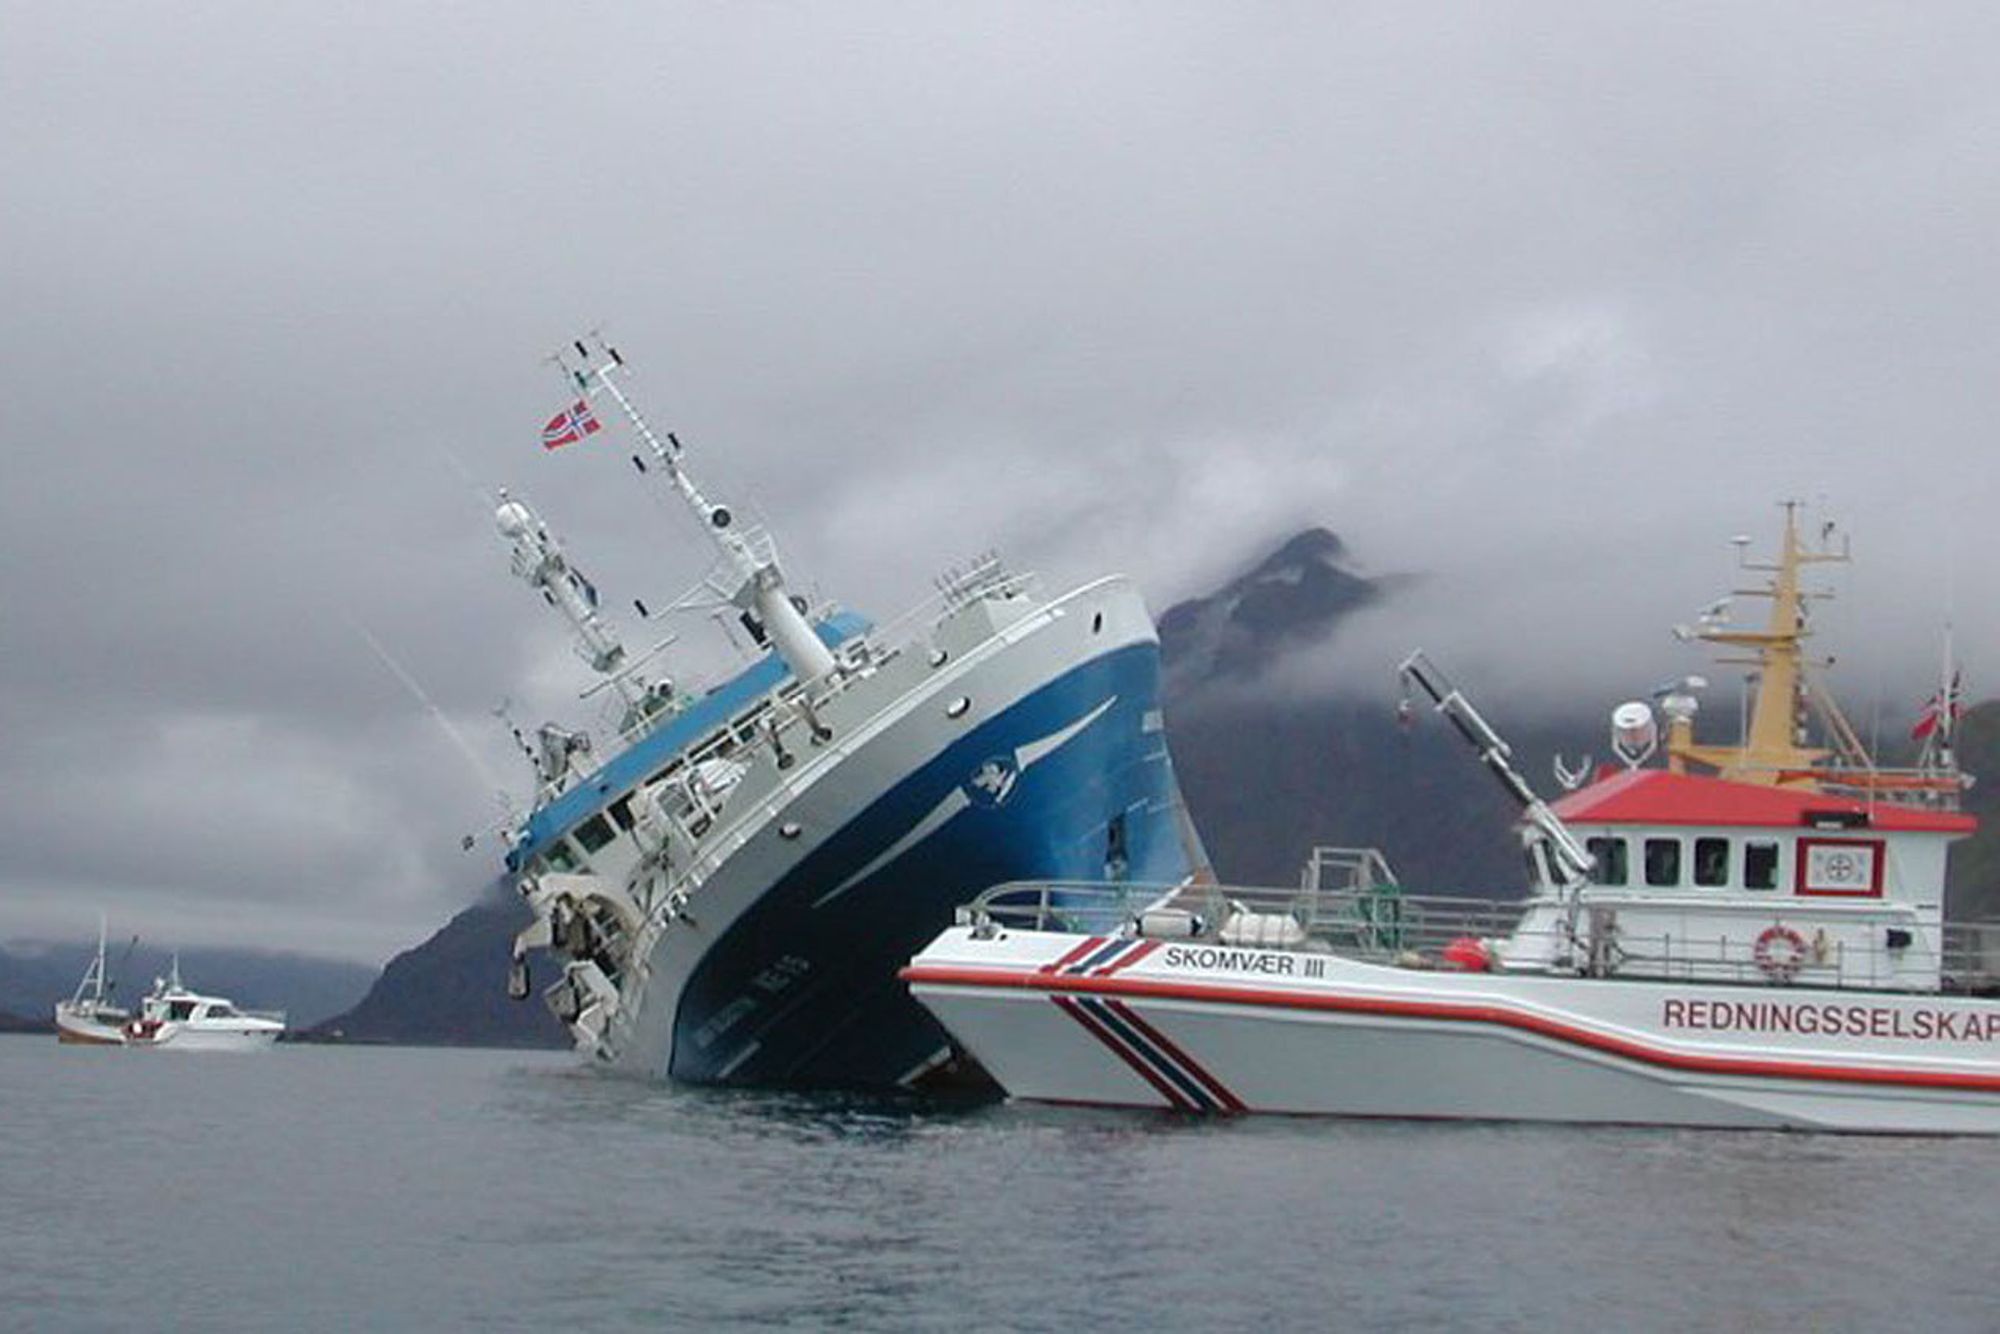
1750	935
729	882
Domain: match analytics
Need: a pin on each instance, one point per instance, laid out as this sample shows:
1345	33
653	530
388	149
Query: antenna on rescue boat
1774	749
749	559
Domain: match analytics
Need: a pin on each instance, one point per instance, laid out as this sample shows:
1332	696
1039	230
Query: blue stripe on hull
815	989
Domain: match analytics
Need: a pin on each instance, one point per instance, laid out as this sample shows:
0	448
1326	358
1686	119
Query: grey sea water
342	1189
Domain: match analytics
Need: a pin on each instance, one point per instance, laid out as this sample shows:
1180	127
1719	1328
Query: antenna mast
752	564
1774	749
540	562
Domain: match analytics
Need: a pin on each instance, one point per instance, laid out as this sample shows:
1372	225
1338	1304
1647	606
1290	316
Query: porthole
938	656
957	708
1097	623
790	829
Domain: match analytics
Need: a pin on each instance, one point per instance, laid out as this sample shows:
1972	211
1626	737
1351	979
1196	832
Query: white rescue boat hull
1203	1028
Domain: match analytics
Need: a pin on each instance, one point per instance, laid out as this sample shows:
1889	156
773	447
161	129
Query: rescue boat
1750	935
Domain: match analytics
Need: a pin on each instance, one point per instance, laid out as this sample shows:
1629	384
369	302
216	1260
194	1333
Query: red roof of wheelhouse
1662	797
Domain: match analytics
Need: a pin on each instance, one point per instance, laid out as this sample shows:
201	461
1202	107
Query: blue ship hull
802	988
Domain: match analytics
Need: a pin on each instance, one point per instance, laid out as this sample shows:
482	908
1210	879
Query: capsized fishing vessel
90	1017
729	880
1742	936
174	1017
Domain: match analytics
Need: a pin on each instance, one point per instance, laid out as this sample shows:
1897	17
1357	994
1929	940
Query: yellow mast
1774	750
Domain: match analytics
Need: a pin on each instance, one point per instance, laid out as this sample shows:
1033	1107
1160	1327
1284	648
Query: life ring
1780	952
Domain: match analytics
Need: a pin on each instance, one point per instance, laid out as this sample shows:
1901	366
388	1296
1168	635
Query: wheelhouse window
1608	861
1663	862
1711	862
621	811
1760	864
594	833
560	858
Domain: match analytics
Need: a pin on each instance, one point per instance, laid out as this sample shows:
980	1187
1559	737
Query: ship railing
778	715
1932	787
1968	961
1377	922
1972	957
950	597
1384	924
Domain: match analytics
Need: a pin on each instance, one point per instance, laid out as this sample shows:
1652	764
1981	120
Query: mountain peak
1313	546
1296	595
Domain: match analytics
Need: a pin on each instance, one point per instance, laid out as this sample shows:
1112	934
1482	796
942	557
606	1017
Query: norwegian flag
1941	710
570	425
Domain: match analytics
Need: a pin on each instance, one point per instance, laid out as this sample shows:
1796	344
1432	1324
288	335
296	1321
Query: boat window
1711	861
621	811
559	857
594	833
220	1010
180	1009
1608	865
1760	864
1663	861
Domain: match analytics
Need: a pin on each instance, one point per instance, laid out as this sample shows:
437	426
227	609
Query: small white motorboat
176	1018
1746	936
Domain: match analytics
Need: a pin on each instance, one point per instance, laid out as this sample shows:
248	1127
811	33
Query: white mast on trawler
756	582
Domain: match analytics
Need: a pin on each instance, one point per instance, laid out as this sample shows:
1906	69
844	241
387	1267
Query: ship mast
1774	752
540	562
757	582
93	987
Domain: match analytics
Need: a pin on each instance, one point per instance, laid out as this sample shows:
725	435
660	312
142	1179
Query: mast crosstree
1775	749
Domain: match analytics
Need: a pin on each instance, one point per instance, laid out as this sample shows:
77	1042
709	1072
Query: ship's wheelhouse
1695	877
1675	833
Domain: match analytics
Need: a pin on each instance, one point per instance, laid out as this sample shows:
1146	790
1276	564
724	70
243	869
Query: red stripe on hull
1216	1088
1179	1101
1086	947
1119	965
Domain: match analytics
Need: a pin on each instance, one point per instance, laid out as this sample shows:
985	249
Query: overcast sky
1544	302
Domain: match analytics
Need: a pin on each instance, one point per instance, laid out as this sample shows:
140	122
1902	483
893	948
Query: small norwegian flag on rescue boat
570	425
1941	710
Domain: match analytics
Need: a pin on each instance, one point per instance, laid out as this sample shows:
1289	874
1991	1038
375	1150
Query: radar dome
1633	732
513	519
